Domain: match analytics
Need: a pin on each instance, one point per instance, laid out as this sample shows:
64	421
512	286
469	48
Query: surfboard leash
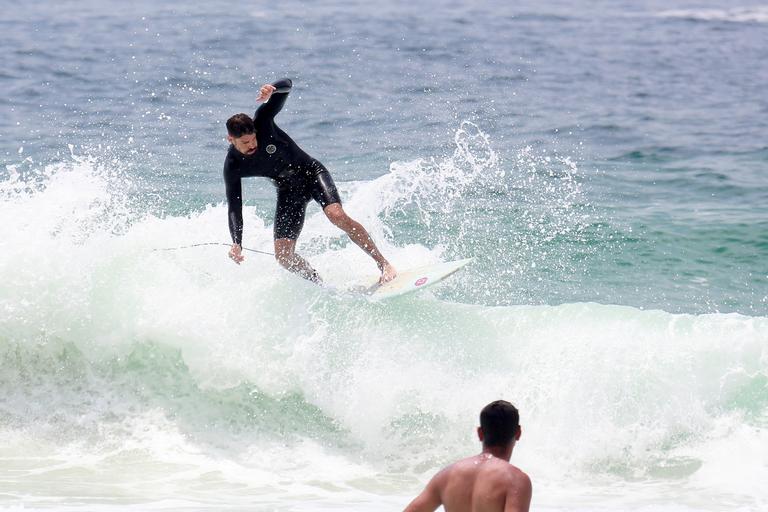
210	243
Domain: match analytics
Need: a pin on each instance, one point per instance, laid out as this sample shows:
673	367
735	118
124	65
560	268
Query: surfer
260	148
484	482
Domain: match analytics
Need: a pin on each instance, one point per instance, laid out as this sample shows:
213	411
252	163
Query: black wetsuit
297	176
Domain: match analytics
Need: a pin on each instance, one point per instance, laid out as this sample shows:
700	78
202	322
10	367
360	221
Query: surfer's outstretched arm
234	190
274	96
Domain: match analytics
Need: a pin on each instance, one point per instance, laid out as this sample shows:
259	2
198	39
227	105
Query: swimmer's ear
480	434
519	433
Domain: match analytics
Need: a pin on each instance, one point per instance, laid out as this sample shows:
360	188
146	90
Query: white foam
754	14
613	399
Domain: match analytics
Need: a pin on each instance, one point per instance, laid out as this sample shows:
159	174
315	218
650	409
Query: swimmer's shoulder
519	490
500	471
499	474
508	474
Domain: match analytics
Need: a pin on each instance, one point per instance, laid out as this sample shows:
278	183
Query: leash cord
210	243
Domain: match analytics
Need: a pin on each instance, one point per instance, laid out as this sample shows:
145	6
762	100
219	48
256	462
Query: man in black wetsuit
260	148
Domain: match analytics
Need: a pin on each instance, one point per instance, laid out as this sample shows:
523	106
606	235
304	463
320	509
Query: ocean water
605	163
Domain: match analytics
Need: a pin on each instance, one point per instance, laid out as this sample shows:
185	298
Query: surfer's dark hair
500	421
239	125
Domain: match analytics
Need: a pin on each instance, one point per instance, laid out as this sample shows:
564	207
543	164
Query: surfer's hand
265	92
236	253
388	272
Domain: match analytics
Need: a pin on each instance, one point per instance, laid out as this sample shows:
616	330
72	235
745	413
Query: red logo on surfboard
420	281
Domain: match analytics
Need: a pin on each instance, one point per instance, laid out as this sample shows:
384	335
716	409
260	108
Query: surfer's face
245	144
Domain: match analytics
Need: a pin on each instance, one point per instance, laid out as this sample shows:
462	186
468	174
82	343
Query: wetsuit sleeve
269	110
234	190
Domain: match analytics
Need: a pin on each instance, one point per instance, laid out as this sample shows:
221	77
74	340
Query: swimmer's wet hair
500	421
239	125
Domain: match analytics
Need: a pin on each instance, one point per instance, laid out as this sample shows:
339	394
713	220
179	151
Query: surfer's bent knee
337	216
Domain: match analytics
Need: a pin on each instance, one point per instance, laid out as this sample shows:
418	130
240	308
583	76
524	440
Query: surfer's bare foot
388	272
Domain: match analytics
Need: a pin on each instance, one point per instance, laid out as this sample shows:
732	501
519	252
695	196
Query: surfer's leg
285	254
358	234
289	219
324	191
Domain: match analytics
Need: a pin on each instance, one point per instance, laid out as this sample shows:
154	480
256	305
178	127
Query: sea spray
527	221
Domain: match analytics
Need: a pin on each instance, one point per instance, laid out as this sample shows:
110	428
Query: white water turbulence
141	379
746	14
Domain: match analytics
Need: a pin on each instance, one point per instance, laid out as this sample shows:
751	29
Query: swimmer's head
499	424
242	134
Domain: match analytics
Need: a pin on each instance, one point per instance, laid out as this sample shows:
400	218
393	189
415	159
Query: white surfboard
411	280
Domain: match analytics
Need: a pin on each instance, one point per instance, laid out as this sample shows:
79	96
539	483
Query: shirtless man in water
260	148
486	482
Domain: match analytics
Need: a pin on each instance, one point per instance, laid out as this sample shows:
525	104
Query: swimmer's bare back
482	483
